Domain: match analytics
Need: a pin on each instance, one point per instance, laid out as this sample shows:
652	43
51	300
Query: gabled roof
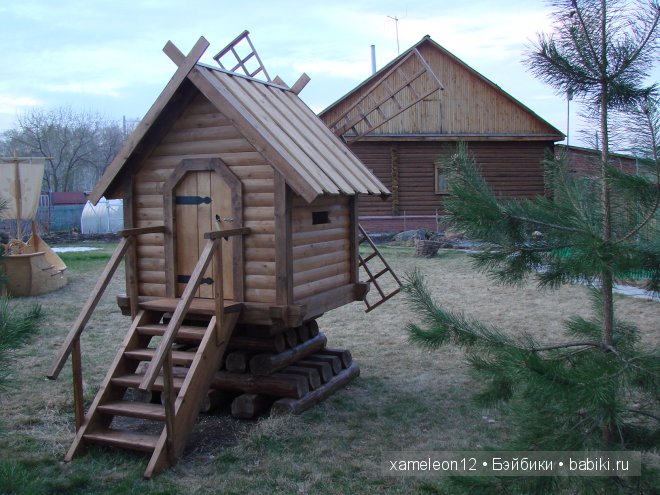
312	160
454	92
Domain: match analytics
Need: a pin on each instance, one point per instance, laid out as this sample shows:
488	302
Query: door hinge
192	200
184	279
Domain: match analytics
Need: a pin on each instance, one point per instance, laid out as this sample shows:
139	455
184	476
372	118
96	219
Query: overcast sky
106	56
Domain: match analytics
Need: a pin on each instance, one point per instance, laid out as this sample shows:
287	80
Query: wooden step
133	409
134	380
124	439
179	358
186	332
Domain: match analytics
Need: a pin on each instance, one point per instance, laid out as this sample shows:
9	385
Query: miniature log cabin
240	208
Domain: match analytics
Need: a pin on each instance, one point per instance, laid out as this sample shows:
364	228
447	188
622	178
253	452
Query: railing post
168	401
218	288
77	376
132	275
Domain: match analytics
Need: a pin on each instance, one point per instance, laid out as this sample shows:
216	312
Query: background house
402	120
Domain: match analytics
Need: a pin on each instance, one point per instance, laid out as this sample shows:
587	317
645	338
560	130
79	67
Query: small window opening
320	217
441	182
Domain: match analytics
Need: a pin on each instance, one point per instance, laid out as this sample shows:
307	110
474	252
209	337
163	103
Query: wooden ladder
385	268
407	83
242	62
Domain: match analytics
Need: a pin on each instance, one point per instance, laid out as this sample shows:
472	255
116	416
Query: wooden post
76	364
218	293
19	199
168	402
132	275
394	153
35	236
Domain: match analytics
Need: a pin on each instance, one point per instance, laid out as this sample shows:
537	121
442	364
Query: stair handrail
164	347
71	344
127	238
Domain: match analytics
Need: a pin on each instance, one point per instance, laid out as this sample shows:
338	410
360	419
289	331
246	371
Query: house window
320	217
441	184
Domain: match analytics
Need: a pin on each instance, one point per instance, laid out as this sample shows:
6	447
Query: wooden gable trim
200	165
148	120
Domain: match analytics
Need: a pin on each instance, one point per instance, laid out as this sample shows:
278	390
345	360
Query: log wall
513	169
321	252
204	132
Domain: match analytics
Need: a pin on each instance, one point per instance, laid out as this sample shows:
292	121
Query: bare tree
77	146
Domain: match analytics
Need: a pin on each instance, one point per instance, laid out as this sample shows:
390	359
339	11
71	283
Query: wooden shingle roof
273	118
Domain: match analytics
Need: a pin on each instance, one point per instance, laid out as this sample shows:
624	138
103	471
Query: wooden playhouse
241	229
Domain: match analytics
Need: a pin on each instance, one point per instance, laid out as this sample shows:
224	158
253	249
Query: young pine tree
600	388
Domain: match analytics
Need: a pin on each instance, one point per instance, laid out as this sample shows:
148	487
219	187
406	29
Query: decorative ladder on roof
182	377
383	293
242	61
408	82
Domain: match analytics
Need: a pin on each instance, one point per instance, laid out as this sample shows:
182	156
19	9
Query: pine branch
644	413
534	221
566	345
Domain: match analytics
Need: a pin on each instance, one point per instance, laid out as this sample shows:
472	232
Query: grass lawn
405	398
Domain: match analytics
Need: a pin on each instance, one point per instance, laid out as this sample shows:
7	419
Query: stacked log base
284	370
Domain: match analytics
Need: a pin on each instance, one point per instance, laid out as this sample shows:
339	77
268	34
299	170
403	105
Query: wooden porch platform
168	304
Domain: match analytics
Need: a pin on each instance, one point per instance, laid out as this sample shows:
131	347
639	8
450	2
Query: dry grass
405	398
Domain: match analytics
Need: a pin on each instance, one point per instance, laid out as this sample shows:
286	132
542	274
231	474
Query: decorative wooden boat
32	268
28	268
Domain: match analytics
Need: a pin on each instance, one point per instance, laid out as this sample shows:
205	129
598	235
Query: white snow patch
627	290
73	249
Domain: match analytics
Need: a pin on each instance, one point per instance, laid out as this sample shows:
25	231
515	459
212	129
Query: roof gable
278	124
467	105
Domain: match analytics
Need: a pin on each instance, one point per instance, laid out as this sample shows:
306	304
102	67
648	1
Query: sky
105	57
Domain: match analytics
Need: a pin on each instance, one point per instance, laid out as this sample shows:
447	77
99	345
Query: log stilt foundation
281	370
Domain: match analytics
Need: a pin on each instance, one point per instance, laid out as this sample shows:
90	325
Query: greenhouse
107	216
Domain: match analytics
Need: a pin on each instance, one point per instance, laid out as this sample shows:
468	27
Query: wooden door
202	203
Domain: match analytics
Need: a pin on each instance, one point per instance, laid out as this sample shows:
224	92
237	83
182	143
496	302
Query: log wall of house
203	132
513	169
321	252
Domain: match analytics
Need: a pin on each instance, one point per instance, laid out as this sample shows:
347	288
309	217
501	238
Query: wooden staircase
161	357
192	370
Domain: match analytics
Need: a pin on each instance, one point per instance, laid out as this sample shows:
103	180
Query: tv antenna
396	26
